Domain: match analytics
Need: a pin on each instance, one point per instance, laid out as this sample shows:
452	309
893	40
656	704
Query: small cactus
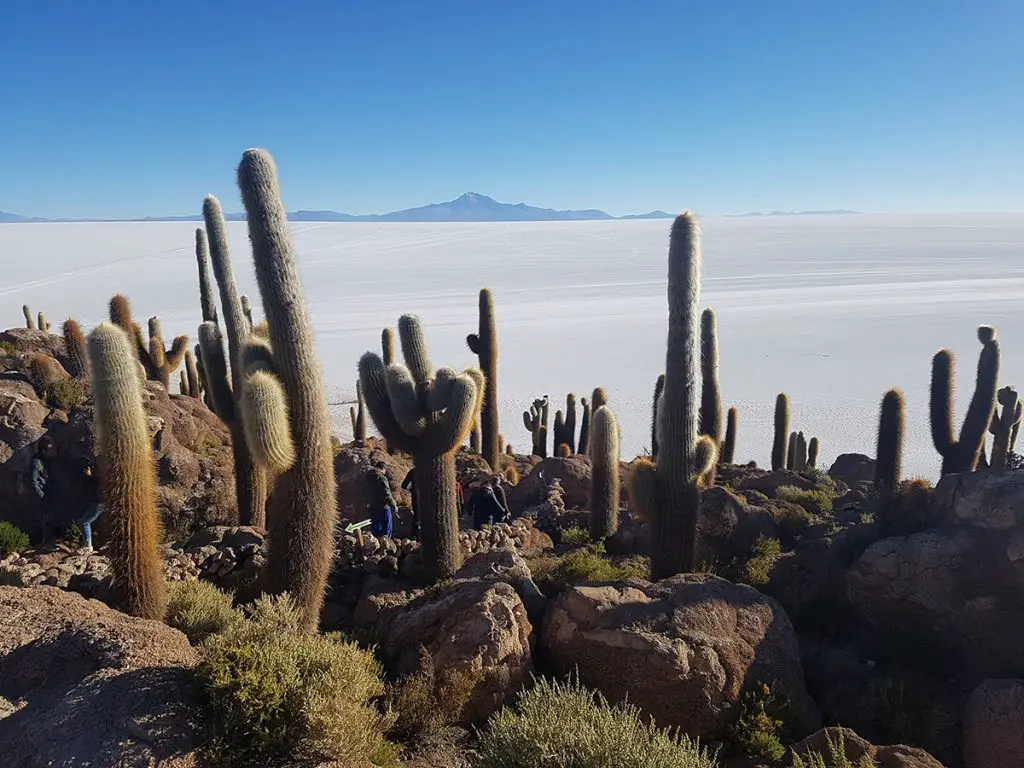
961	455
711	391
536	422
128	474
484	344
1004	424
791	447
191	377
604	477
387	343
74	343
164	361
30	319
584	442
800	462
358	415
889	454
729	446
564	451
812	453
44	324
559	431
247	310
780	450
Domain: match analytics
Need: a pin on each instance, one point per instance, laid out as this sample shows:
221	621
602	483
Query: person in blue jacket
382	502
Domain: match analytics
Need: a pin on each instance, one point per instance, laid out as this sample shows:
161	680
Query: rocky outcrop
853	468
993	725
728	526
683	649
572	473
990	501
90	686
858	749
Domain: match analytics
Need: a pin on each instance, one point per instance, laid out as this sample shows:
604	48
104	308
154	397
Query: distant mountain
837	212
471	206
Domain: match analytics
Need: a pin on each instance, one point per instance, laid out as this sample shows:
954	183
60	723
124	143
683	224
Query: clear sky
124	108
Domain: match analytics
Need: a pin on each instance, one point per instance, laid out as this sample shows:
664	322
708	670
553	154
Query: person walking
485	507
44	488
91	492
382	502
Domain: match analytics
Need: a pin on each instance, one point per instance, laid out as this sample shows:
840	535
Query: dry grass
199	609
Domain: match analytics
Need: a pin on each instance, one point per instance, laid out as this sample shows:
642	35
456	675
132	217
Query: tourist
45	490
382	502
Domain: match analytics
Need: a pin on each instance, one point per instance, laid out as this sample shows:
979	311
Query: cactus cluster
427	414
564	442
536	422
157	361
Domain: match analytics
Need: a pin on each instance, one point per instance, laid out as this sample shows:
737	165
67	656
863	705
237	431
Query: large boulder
91	686
853	468
957	587
728	526
683	649
993	725
25	342
858	749
992	501
573	473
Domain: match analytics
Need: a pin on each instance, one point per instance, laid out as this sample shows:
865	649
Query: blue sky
120	109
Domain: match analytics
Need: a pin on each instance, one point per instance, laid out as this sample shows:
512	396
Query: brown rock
728	526
25	342
352	465
101	688
992	501
853	468
993	725
681	649
573	473
857	748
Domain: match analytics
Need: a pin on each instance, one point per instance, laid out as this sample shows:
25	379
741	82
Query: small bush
67	394
906	511
556	725
757	570
7	349
792	519
276	694
10	577
575	536
758	730
199	609
817	502
73	536
12	539
836	757
427	704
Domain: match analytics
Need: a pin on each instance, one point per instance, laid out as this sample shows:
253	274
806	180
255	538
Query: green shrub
199	609
836	757
554	573
73	536
817	502
792	519
67	394
575	536
757	570
557	725
12	539
7	349
759	727
276	694
10	577
426	704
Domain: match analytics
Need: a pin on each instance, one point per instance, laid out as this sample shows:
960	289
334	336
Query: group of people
487	504
52	499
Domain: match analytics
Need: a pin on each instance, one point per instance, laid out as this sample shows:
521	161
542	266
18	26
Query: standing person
409	484
485	507
499	493
45	490
91	491
381	501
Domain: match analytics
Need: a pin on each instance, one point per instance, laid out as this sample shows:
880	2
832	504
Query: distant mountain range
837	212
471	206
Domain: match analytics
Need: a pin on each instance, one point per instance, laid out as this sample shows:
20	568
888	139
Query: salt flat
831	309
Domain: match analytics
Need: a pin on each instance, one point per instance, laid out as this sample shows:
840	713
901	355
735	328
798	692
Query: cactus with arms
484	344
667	493
128	473
961	455
164	361
427	414
302	526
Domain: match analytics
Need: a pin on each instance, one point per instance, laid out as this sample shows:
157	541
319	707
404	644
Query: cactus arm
473	342
264	410
711	391
175	357
387	343
373	378
211	344
30	320
983	402
414	348
404	401
452	429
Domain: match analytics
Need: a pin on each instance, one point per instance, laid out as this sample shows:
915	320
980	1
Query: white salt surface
831	309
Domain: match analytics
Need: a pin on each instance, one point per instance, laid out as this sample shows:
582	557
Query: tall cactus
570	422
729	446
800	462
302	526
127	474
74	343
1004	424
812	453
30	319
584	443
207	302
251	481
484	344
889	461
711	390
191	374
604	476
358	416
427	414
667	493
780	444
961	455
791	451
387	343
659	387
559	433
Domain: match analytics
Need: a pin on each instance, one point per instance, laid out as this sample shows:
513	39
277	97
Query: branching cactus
729	446
1004	424
207	301
780	445
812	453
127	474
251	481
659	387
584	442
74	343
358	416
302	525
667	493
164	361
961	455
889	461
30	319
484	344
427	414
604	476
536	422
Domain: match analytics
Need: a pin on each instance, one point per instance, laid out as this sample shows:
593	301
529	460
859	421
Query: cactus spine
659	387
358	416
889	461
604	477
30	320
207	302
74	343
427	414
729	446
302	529
780	444
251	482
484	344
667	493
961	455
1004	424
812	453
128	474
